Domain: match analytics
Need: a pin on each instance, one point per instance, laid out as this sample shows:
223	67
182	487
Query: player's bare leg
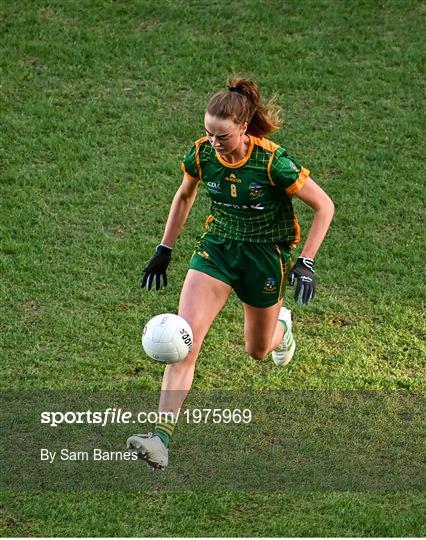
269	330
201	299
262	331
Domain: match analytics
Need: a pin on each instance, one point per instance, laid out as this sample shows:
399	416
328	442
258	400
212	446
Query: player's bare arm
179	210
303	273
315	197
155	272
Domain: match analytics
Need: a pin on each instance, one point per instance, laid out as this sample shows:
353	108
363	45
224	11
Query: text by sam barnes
96	454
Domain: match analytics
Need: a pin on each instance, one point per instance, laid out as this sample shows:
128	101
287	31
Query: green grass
302	441
226	514
99	101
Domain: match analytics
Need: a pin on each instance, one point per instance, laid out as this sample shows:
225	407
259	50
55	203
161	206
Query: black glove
304	272
156	268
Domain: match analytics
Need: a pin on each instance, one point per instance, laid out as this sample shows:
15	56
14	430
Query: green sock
288	336
164	430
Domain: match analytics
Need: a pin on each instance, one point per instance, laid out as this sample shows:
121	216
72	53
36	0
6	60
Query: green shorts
256	272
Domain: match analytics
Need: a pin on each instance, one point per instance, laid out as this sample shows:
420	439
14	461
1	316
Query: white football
167	338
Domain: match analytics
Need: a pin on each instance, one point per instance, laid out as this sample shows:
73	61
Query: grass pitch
99	101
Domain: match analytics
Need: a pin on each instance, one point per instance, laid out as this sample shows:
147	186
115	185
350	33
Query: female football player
246	247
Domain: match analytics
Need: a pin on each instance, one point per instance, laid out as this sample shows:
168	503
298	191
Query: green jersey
251	200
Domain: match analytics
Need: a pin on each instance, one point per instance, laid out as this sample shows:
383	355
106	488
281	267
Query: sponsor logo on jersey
270	284
255	190
233	178
213	187
257	206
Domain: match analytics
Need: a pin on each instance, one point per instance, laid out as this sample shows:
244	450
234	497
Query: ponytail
241	102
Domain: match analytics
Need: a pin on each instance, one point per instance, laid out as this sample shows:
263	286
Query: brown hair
241	102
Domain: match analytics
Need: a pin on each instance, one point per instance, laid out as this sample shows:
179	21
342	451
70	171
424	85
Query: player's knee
257	352
191	358
184	367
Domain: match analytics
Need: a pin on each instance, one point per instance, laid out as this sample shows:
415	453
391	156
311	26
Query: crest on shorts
255	190
270	284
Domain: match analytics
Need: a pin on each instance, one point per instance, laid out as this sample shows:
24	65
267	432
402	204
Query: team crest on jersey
255	190
270	284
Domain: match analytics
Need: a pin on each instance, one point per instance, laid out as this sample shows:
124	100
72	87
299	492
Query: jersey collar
241	162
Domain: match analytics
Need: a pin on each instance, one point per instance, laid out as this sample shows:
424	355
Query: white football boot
149	448
284	352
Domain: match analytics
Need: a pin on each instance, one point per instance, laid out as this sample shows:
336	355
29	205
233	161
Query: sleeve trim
297	186
182	166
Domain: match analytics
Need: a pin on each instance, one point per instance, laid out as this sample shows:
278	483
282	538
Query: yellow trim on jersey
271	147
182	166
265	143
197	244
197	157
297	186
280	295
242	161
197	143
209	219
296	228
268	168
